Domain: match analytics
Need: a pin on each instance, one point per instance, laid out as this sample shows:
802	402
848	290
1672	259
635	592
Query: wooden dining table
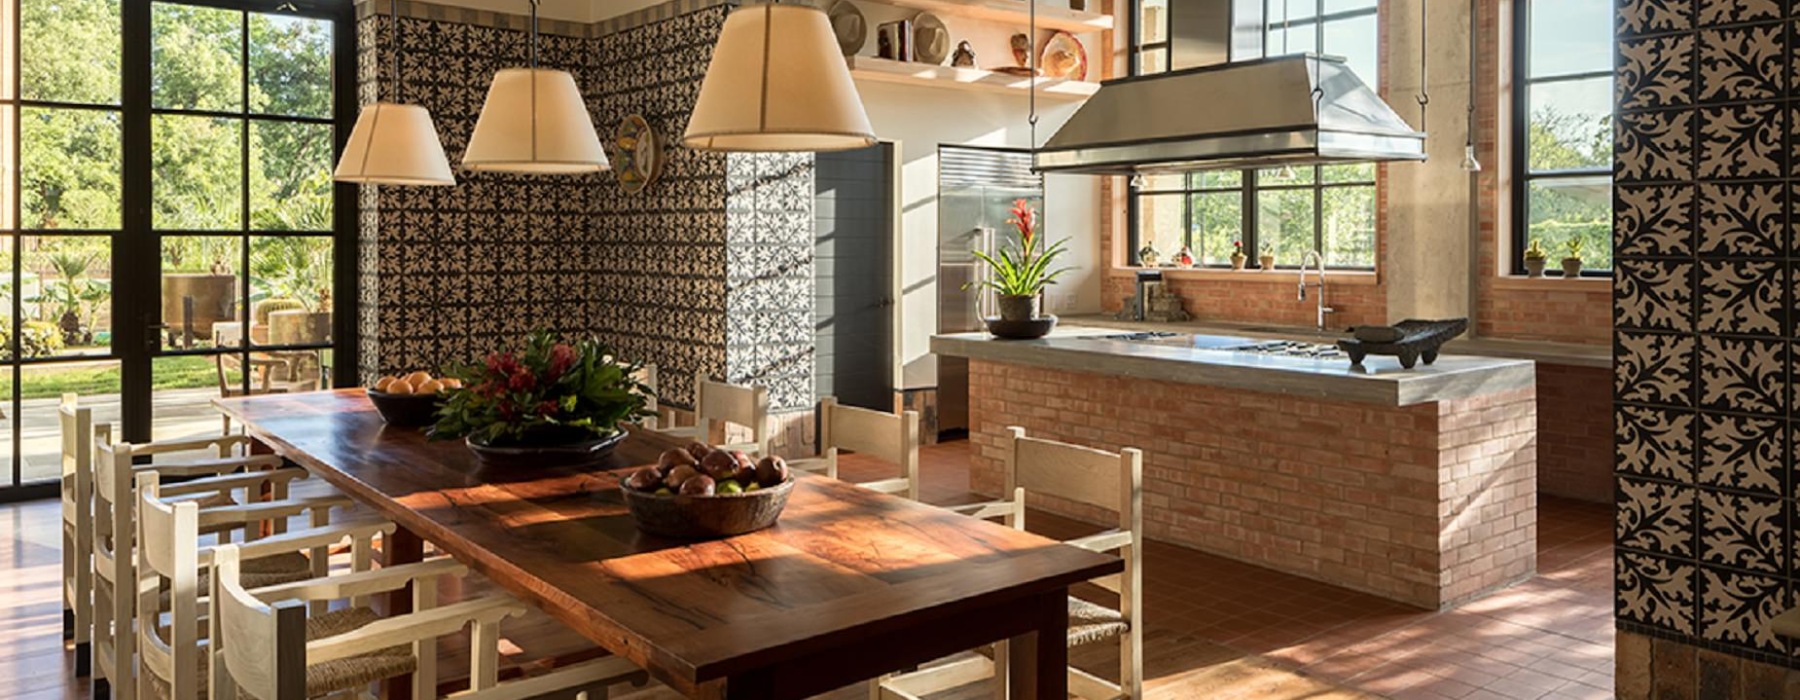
848	585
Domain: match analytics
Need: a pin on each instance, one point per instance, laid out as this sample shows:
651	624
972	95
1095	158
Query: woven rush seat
331	676
1090	622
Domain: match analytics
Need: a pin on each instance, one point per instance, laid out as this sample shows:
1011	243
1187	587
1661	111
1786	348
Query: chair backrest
1110	480
747	406
645	376
77	424
263	646
112	490
891	438
168	559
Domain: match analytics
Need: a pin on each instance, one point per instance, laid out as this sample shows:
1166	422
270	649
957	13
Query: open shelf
927	75
1016	12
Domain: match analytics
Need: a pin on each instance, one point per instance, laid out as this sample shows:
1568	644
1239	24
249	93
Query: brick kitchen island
1414	485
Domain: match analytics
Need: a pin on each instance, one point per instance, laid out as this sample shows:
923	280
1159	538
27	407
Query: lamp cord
534	34
1473	67
394	54
1031	96
1424	90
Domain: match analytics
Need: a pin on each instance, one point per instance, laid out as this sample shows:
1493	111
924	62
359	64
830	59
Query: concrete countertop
1543	352
1205	360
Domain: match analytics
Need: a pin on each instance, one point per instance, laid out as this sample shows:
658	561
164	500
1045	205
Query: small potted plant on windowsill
1020	275
1535	257
1237	255
1267	260
1571	263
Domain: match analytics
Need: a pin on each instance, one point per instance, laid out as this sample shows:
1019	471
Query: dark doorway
853	266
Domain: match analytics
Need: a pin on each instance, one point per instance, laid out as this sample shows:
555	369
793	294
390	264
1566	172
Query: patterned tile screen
1703	334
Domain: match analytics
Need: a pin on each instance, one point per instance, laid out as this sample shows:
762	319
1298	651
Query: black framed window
1562	131
1283	212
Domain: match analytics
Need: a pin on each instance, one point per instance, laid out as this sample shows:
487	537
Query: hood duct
1291	110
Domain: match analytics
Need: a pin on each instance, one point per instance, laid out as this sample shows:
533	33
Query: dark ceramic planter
1018	308
1571	267
406	410
1534	267
548	453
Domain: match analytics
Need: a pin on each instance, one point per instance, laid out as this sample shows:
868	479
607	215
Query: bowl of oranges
411	400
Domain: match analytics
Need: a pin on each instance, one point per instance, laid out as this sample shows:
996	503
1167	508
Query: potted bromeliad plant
1535	257
554	402
1571	263
1021	273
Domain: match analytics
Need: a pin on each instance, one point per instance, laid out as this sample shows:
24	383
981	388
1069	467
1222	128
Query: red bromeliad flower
562	357
1024	219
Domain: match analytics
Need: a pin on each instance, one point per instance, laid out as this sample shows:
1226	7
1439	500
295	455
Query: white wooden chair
115	574
177	459
268	647
646	378
77	424
173	566
885	436
1108	480
746	406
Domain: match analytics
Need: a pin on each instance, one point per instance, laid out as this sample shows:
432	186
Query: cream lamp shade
534	121
778	82
394	144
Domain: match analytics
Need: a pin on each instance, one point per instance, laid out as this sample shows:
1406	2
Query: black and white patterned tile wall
1703	340
669	275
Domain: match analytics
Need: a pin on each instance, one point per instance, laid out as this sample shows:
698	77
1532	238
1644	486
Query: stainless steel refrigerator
976	191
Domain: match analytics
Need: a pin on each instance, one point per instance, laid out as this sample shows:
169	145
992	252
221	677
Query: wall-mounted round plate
637	157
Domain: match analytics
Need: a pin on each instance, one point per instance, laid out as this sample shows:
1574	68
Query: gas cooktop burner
1141	335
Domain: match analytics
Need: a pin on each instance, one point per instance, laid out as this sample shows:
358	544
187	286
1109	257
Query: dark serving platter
1418	339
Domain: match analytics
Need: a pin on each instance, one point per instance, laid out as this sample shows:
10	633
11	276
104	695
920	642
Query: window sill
1354	278
1554	284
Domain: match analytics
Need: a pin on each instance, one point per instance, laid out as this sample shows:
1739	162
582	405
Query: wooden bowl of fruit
704	493
411	401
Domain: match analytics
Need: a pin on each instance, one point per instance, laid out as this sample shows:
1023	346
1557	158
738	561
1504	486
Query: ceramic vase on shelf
1534	267
1571	267
1267	262
1237	261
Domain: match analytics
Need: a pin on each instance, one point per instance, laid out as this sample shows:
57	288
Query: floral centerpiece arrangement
1022	272
552	394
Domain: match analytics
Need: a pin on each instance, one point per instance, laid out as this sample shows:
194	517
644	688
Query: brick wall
1429	504
1654	667
1258	297
1575	432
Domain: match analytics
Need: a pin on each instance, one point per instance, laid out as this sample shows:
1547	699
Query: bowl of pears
703	492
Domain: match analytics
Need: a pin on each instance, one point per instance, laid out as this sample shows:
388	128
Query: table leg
401	547
1038	662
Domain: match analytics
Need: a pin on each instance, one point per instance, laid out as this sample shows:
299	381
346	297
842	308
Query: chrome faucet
1315	256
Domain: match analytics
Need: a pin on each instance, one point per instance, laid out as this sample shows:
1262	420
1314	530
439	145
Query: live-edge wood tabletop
843	566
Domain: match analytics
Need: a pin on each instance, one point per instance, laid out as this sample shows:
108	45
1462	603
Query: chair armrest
230	482
412	627
269	510
1103	542
305	539
361	583
606	671
186	444
207	466
809	464
983	511
895	485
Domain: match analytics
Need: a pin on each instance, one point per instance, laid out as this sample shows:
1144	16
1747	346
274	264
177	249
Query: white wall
598	10
919	119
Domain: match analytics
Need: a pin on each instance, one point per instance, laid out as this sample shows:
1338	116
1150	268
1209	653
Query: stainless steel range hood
1292	110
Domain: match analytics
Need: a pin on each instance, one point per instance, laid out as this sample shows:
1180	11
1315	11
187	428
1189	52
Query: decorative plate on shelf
848	24
1064	57
637	158
931	39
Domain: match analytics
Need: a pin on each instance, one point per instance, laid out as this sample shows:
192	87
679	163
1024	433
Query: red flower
546	408
562	357
501	363
521	380
1024	219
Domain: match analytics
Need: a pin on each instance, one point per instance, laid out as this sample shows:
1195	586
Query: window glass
1564	185
69	51
197	58
69	168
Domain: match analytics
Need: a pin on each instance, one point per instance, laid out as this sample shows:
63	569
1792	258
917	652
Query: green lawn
49	381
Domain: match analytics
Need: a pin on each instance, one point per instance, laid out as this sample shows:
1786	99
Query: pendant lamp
778	82
535	121
394	143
